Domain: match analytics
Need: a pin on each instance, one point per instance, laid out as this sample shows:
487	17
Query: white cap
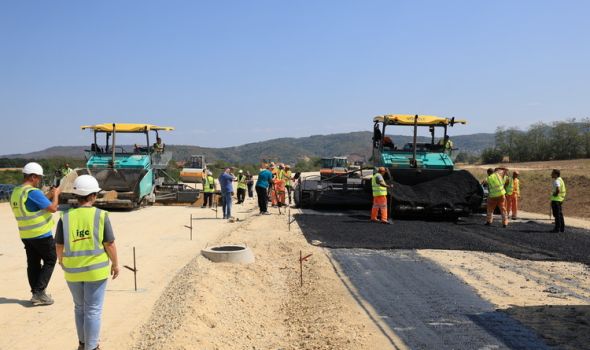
33	168
85	185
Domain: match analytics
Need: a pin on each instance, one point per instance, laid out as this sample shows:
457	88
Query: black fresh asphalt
522	240
427	307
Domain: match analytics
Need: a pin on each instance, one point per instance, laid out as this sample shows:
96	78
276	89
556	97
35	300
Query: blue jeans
88	299
226	204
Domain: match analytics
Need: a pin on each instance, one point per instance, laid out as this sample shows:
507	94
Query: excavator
425	181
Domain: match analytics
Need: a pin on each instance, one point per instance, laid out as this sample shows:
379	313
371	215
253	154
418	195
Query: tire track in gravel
541	277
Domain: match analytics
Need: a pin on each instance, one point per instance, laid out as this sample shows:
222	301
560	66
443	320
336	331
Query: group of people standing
504	193
84	244
274	184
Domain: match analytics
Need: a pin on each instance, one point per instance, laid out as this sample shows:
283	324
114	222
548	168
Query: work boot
487	224
80	345
40	298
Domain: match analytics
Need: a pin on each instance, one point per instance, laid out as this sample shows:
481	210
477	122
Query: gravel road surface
427	307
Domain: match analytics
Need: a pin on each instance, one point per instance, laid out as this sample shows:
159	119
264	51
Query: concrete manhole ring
232	253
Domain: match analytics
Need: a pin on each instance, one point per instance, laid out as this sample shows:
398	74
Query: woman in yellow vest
497	195
557	198
379	197
84	244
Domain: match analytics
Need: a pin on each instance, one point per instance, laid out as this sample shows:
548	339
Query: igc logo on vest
82	234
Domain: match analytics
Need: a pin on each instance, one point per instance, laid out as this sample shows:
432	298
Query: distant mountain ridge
287	149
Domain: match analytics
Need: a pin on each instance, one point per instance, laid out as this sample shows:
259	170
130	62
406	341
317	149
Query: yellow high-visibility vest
510	187
378	190
562	191
517	187
496	186
84	259
242	181
30	224
209	184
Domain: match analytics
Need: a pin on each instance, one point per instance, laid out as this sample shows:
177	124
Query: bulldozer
423	174
129	178
425	182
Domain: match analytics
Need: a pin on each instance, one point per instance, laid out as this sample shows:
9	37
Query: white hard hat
240	171
33	168
209	172
85	185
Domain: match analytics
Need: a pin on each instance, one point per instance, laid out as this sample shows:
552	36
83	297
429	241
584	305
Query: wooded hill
288	150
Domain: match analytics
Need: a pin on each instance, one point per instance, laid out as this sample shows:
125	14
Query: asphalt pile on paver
522	240
458	190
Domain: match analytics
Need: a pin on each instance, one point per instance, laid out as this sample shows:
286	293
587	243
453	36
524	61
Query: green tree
491	155
566	140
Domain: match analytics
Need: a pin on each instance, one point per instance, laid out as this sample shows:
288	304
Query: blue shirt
225	182
264	178
37	201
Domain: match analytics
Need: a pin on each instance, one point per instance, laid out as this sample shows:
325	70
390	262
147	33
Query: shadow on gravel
522	240
561	326
25	303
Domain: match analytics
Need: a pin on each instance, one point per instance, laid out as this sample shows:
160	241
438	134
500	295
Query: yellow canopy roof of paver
408	119
125	127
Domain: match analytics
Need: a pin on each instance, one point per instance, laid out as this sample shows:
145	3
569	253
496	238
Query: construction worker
557	197
84	245
278	198
288	183
447	144
497	195
158	146
32	210
241	187
512	195
262	184
484	182
271	189
379	196
208	189
66	170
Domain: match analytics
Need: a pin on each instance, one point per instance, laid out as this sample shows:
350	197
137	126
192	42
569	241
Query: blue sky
231	72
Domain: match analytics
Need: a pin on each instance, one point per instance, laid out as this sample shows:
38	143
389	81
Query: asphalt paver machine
423	174
425	181
130	176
